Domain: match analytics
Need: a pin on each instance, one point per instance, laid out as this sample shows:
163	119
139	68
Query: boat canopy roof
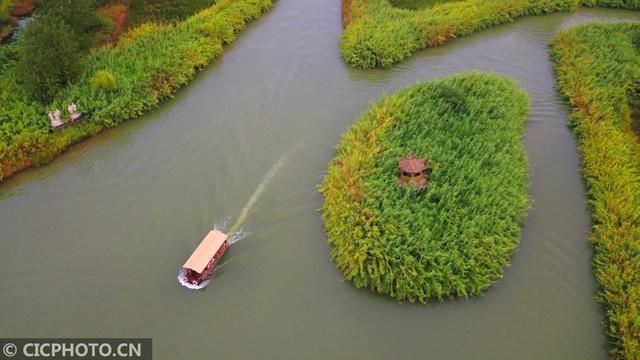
205	251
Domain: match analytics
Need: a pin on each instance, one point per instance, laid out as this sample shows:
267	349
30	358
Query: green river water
90	245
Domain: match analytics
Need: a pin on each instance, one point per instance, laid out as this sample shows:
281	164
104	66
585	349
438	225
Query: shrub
42	68
454	238
149	64
595	64
78	15
211	29
103	80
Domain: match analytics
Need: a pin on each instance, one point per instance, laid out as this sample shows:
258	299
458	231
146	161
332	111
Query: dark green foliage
79	15
164	10
452	97
597	67
149	64
49	57
380	35
418	4
636	40
454	238
8	53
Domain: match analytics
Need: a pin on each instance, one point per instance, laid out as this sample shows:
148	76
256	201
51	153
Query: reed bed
454	238
148	65
377	34
596	67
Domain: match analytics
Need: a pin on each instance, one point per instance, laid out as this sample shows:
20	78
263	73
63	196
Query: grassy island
380	33
116	83
455	237
598	70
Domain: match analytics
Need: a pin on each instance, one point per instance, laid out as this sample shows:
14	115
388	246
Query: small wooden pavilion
413	172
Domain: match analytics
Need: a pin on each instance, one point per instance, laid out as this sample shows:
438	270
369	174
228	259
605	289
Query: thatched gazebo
413	172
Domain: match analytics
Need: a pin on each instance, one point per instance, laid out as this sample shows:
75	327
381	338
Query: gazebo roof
411	164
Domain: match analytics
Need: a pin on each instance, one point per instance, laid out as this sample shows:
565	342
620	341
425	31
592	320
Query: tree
48	57
79	15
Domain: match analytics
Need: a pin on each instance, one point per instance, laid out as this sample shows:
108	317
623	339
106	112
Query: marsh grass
455	238
149	64
378	34
597	68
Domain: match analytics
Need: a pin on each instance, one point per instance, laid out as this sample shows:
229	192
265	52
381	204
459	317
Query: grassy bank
454	238
597	67
377	34
117	83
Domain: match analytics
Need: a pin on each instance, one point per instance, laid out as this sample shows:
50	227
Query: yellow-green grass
377	34
455	237
596	67
148	65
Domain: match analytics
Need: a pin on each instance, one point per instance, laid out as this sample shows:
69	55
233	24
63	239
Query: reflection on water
89	245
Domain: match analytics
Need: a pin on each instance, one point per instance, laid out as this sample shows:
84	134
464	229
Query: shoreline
182	51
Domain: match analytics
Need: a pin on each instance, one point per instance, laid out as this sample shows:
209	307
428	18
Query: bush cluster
596	66
378	34
103	80
455	237
148	66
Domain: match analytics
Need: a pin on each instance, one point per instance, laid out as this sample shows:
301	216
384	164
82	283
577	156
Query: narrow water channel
90	245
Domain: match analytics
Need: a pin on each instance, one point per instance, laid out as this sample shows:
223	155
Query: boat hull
195	278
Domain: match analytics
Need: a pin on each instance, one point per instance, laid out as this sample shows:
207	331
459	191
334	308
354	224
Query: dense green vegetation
597	66
44	69
148	64
454	238
418	4
164	10
103	20
378	34
78	15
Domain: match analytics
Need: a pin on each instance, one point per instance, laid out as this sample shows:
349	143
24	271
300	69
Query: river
91	244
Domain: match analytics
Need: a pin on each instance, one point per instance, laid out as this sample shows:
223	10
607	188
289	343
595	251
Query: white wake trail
246	210
235	232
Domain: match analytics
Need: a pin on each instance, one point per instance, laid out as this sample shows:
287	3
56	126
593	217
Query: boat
203	261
